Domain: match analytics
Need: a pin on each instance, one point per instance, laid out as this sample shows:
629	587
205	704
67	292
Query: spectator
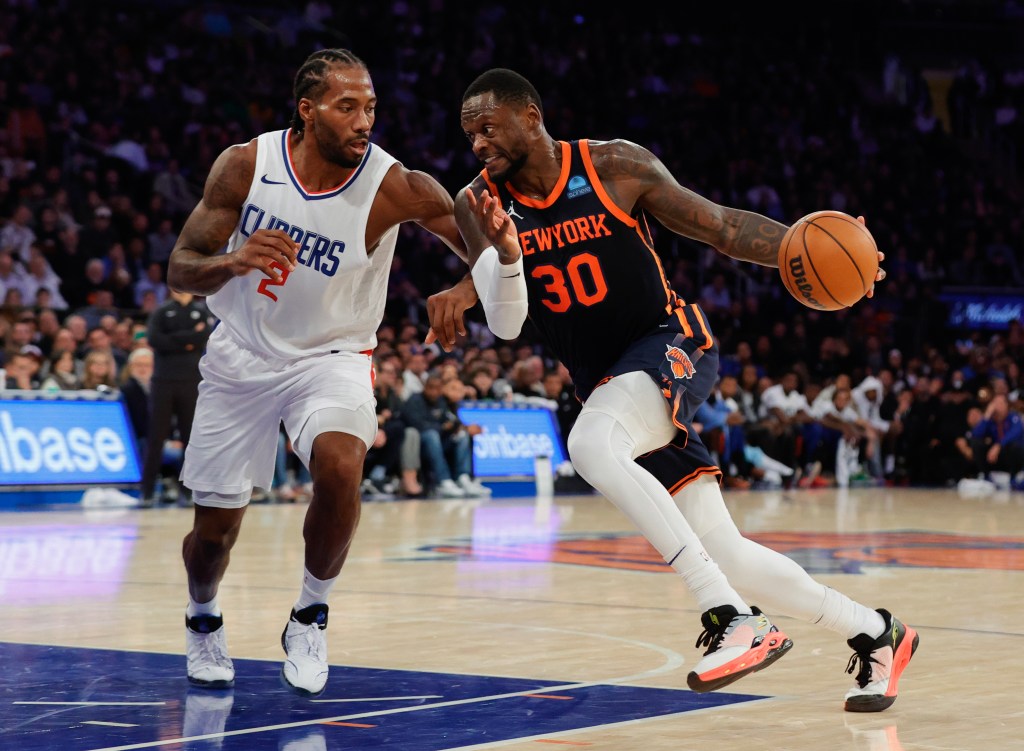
396	452
23	368
135	387
997	441
161	242
99	372
152	282
41	276
62	373
17	236
11	276
446	445
558	389
788	414
96	238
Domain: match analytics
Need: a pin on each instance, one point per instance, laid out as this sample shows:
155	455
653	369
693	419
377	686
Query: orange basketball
828	260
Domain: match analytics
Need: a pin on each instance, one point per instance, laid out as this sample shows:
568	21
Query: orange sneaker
738	644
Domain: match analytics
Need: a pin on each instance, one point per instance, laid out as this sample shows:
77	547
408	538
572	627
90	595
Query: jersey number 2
584	292
265	284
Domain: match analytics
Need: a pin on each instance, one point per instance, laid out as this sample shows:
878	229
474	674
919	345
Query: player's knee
588	444
215	531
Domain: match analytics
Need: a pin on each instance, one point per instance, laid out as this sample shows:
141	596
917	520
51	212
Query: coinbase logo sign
65	443
511	438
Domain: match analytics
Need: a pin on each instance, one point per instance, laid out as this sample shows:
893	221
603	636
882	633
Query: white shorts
244	397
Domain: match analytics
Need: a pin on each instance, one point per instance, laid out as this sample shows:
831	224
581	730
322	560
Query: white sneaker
473	488
448	489
305	669
206	650
738	644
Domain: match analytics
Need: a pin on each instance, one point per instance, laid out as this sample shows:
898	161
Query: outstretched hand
496	225
880	275
446	311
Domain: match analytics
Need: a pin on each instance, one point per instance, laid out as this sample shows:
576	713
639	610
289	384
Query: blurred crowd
111	114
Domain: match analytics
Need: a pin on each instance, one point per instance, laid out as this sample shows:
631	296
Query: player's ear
305	108
532	116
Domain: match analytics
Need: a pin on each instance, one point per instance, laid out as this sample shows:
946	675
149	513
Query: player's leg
231	448
624	418
882	644
332	423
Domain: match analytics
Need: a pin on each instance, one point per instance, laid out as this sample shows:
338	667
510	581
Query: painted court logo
578	186
818	553
680	362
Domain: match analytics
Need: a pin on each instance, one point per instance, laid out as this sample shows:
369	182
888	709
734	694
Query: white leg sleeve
769	579
624	418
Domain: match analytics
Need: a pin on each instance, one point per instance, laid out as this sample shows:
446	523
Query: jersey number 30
585	291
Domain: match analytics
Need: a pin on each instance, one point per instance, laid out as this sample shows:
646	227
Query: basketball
828	260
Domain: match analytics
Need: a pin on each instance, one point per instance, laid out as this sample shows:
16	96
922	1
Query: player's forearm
199	274
747	236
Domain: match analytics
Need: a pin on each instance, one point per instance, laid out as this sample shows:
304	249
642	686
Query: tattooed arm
636	179
196	264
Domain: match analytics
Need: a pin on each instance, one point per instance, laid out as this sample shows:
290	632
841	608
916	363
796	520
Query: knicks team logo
680	362
578	187
817	553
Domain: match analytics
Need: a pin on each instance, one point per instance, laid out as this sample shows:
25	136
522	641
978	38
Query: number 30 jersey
334	298
595	284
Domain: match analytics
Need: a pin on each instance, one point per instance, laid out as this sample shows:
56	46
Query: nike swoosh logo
270	182
513	276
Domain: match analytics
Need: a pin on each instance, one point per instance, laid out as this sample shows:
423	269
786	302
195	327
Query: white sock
202	608
314	590
844	616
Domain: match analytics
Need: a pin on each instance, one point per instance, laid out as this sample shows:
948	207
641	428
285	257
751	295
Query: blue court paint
89	699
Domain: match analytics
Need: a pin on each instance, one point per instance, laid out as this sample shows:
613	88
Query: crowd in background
112	113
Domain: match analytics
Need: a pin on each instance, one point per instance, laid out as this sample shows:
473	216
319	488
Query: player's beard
331	147
514	165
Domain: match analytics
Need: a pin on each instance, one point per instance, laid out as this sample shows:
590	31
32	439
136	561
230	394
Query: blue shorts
682	358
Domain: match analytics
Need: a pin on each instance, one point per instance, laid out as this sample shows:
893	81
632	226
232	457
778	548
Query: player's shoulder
232	172
619	155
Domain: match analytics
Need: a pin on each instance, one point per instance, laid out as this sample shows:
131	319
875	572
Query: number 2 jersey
595	284
334	299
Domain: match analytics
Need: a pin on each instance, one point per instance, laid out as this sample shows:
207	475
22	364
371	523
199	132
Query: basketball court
516	623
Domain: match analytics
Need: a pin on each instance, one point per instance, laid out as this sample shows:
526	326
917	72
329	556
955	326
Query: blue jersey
595	284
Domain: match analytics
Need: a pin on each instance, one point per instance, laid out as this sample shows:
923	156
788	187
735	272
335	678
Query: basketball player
308	219
557	230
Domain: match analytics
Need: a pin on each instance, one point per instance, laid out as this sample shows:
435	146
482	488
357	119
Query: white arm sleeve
502	290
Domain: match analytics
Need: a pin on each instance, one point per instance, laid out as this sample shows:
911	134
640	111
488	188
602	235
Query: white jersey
334	298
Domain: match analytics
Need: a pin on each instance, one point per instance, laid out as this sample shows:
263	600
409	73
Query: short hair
507	86
311	80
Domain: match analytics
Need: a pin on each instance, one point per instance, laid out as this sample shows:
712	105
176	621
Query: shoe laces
864	659
211	648
712	637
308	639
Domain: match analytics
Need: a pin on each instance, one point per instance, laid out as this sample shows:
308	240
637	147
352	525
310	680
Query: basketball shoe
881	661
305	669
206	651
738	644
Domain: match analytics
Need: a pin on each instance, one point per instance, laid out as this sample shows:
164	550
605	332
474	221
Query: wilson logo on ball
796	270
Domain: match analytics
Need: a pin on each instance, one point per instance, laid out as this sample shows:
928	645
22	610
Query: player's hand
268	250
496	225
881	257
446	311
